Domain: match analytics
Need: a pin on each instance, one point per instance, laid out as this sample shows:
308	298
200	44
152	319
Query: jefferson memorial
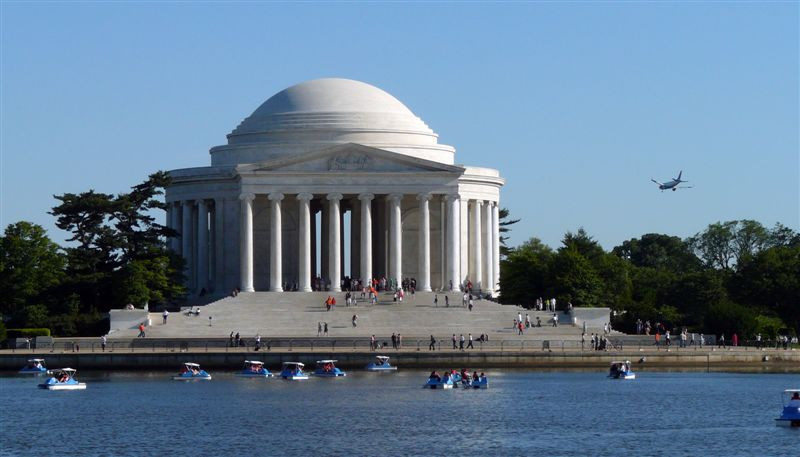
326	165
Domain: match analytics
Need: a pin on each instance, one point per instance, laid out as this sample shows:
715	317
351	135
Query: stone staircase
297	314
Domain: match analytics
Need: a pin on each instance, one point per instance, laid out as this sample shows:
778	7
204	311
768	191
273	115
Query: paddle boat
192	372
790	417
327	369
381	364
621	370
293	371
34	366
439	382
62	379
481	383
254	369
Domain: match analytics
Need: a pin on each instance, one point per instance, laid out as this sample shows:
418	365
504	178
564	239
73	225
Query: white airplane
672	184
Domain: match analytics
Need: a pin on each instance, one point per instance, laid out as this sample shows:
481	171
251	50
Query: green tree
715	245
771	281
574	278
31	265
525	273
584	244
505	226
659	251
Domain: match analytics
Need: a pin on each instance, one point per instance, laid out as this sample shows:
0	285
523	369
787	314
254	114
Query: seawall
753	360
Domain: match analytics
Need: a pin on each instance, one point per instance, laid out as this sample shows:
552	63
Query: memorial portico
327	164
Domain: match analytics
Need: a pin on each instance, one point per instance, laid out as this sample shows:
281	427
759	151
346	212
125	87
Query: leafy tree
727	317
505	226
715	245
771	281
583	244
574	279
525	273
655	250
615	280
30	266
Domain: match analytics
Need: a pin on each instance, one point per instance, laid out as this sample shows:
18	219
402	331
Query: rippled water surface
549	414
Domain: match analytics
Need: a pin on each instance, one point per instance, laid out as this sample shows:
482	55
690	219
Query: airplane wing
660	184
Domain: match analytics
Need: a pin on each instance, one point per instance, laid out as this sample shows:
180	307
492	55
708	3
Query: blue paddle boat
790	417
34	366
621	370
481	383
62	379
439	382
192	372
381	364
293	371
327	369
254	369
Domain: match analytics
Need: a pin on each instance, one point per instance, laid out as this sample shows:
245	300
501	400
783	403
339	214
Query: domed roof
331	95
332	104
326	112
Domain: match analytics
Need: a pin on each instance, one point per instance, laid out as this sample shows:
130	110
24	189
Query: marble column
496	244
488	249
335	252
395	238
276	243
175	215
453	241
202	246
304	235
246	242
186	241
219	244
366	237
475	245
313	242
424	256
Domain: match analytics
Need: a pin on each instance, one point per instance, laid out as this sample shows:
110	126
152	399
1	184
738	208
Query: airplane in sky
674	184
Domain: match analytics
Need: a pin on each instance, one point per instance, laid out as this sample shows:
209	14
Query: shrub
27	332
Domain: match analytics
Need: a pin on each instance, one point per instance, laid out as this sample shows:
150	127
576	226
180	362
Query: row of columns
201	224
488	249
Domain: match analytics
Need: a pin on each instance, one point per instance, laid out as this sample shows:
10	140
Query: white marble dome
329	111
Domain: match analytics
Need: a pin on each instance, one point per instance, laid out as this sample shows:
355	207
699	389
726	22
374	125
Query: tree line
733	277
117	254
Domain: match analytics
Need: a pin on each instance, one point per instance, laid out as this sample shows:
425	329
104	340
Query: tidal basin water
522	413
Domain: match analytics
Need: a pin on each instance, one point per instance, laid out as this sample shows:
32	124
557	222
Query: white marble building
331	146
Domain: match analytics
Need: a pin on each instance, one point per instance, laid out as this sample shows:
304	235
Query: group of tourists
548	305
463	377
397	342
597	341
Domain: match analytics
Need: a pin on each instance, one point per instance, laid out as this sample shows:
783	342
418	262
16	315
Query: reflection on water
547	413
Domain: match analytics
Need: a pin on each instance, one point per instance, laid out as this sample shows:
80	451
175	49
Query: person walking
141	331
446	301
325	329
436	300
355	320
394	341
372	343
583	340
103	343
164	316
432	346
469	345
461	342
454	341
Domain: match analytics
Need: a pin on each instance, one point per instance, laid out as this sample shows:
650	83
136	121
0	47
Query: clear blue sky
577	104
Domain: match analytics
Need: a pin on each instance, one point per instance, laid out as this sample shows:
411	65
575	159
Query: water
549	414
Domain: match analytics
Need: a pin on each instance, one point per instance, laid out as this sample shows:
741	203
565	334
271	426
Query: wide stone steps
294	314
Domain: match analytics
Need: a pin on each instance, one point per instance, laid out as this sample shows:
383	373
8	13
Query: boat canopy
253	362
192	364
288	364
791	391
35	360
321	362
382	358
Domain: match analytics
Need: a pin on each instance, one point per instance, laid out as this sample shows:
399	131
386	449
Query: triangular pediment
350	158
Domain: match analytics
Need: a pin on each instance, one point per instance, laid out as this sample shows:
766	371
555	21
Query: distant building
331	146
